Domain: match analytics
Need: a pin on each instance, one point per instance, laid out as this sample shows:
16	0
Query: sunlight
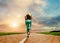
14	24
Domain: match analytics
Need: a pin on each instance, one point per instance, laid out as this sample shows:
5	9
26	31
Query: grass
50	33
9	33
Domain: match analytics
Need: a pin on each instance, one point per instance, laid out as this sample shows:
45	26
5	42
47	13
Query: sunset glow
14	24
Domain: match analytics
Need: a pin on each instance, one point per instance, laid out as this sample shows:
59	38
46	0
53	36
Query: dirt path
41	38
11	38
34	38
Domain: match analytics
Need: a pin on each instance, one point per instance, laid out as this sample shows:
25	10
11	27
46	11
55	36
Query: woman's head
28	16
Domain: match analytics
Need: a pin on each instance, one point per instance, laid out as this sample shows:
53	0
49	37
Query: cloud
23	3
40	2
37	8
44	11
15	9
54	21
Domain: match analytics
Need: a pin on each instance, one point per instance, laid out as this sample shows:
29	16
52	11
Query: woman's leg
30	24
27	26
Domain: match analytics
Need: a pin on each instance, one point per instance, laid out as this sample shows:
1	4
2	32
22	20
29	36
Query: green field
9	33
50	33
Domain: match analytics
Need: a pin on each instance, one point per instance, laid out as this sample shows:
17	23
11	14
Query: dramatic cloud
40	2
15	9
46	12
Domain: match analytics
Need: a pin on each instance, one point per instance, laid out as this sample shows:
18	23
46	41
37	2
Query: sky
44	12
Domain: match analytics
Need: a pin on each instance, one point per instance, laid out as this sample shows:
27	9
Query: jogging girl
28	22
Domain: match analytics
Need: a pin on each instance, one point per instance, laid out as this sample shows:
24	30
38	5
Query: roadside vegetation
50	33
9	33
